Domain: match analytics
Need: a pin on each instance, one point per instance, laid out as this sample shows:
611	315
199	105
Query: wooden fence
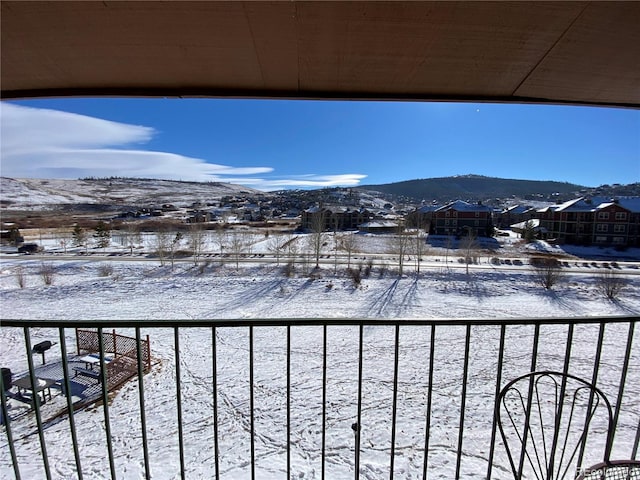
122	347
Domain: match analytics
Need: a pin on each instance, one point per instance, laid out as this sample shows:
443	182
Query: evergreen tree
79	236
102	234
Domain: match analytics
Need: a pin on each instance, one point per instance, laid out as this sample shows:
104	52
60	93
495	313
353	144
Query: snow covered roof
462	206
586	204
428	208
534	223
379	224
632	204
516	209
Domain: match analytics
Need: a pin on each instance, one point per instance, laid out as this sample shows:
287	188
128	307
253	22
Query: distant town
599	217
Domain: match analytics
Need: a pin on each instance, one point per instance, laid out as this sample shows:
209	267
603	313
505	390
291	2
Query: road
484	263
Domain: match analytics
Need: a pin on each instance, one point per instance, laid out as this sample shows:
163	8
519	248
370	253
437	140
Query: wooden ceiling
540	52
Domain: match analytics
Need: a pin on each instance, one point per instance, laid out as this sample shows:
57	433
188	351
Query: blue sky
274	144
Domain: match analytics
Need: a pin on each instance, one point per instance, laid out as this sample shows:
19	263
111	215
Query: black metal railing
444	378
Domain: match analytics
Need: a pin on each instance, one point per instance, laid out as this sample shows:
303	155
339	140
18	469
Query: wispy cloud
43	143
304	181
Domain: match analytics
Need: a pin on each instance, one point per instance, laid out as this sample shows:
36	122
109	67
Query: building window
618	239
477	214
455	214
601	239
447	213
621	215
603	215
446	223
476	223
602	227
619	228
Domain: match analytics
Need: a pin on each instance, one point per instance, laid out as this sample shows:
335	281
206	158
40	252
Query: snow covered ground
146	290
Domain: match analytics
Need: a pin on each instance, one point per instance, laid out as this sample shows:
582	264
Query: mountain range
34	194
474	187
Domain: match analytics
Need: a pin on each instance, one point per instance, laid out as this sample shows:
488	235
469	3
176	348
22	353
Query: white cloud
42	143
304	181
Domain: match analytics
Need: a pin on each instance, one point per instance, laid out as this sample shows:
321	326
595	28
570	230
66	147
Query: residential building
593	221
334	218
461	218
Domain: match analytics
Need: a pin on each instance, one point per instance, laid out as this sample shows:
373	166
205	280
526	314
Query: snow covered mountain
29	193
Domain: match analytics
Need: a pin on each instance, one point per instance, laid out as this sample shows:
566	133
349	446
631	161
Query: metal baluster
594	380
253	446
429	396
357	427
214	355
497	406
525	434
67	389
288	401
623	380
176	336
36	403
105	403
143	420
324	398
395	400
463	402
7	426
558	417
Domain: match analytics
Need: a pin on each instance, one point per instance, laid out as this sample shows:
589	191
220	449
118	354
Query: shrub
383	270
546	271
610	284
203	266
356	275
368	268
21	277
105	270
289	270
47	272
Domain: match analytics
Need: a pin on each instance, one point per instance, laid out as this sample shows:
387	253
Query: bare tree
546	271
238	243
130	236
196	241
221	239
610	283
291	246
162	243
419	247
276	246
448	245
399	245
349	243
174	246
468	245
317	236
334	223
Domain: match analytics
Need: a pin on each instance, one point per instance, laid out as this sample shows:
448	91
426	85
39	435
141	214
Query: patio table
91	360
42	385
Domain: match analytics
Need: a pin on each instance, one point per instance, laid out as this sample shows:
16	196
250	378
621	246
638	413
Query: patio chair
545	419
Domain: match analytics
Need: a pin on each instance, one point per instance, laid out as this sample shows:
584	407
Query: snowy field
82	289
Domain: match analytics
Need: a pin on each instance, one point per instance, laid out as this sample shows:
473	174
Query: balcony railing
327	398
